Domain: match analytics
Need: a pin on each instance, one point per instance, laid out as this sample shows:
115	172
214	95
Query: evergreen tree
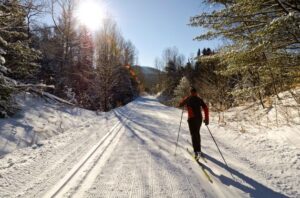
82	72
208	52
45	40
198	53
204	51
171	77
17	59
159	65
264	43
122	89
189	72
20	58
173	67
197	66
212	85
68	56
5	88
68	44
181	90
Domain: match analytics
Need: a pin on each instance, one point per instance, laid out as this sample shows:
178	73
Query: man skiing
194	105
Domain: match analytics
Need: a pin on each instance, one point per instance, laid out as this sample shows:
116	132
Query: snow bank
38	119
278	112
268	140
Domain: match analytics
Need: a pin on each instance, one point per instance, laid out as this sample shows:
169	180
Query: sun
90	13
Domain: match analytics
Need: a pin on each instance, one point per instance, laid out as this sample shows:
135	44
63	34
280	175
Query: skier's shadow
256	189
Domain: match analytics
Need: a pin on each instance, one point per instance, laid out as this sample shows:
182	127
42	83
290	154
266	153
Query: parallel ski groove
51	175
65	181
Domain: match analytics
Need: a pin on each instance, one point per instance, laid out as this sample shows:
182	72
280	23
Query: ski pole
220	152
178	131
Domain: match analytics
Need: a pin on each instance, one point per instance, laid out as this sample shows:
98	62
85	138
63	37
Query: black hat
193	90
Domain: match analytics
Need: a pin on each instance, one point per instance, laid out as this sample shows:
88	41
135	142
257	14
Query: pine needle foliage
20	58
181	90
264	43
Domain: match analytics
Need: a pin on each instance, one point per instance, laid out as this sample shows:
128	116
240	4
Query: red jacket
194	105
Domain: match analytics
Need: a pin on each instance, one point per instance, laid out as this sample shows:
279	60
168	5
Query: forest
90	70
259	59
259	56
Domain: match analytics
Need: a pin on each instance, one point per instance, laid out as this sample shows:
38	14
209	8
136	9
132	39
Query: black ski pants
194	126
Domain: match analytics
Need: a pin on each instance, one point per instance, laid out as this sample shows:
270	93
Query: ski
201	165
202	156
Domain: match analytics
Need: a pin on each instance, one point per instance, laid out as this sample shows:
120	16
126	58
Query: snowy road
130	153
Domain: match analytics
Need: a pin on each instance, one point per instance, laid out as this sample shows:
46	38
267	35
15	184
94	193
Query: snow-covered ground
38	120
129	152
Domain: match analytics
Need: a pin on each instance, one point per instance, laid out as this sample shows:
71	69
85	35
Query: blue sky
154	25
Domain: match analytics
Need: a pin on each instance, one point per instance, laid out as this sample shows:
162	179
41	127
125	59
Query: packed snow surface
129	152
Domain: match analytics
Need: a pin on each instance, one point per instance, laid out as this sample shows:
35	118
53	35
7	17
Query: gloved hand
206	122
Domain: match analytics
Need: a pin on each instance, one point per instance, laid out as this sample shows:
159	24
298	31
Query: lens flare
90	14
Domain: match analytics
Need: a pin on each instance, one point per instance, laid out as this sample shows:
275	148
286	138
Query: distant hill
148	76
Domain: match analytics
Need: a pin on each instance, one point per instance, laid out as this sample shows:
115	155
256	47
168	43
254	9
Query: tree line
259	58
90	70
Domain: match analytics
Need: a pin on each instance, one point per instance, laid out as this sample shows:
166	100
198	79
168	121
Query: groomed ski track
130	153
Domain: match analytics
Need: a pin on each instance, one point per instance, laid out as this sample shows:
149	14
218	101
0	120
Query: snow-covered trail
130	153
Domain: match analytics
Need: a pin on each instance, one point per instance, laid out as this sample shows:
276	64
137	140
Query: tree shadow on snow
256	190
134	131
253	188
145	99
149	125
159	154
